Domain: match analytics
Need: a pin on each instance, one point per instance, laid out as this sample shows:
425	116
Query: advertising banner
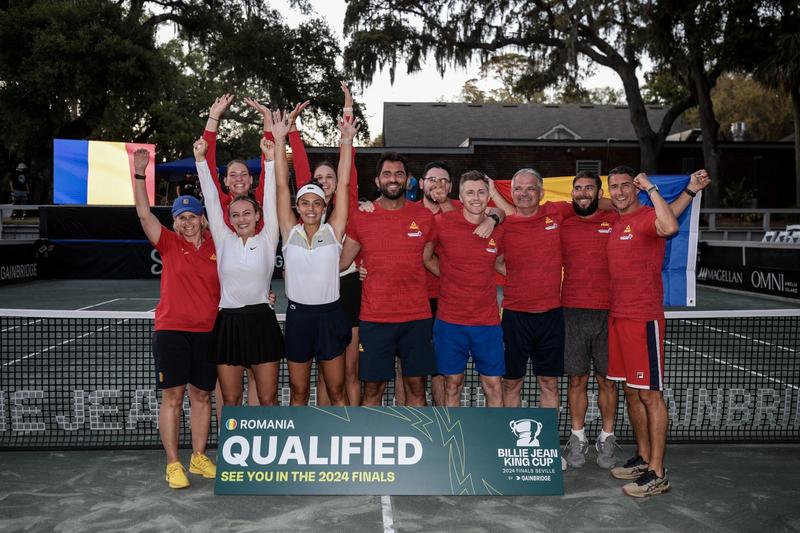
388	450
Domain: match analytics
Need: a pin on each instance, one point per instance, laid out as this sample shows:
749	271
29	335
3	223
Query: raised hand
348	128
268	149
200	147
699	180
263	110
281	124
348	99
219	106
642	181
141	158
438	194
297	110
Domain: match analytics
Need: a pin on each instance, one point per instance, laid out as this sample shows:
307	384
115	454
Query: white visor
312	189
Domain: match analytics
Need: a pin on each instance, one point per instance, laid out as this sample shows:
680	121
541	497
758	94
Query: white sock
603	435
581	433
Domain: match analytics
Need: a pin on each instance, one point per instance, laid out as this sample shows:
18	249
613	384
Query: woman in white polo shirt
317	326
246	332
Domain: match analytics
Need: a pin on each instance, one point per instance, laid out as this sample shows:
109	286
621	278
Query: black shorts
319	332
350	297
535	336
246	336
379	343
181	357
586	341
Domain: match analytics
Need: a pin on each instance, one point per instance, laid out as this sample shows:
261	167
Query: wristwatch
139	177
651	189
690	192
494	217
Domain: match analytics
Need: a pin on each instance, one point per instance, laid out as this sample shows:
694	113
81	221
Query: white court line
52	347
98	305
386	510
719	330
737	367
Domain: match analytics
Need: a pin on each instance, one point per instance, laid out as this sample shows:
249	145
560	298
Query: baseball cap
21	167
313	189
186	203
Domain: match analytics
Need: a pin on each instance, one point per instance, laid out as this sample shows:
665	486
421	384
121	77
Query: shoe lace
646	478
634	461
201	460
174	468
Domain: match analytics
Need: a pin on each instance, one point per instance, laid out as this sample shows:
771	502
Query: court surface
716	487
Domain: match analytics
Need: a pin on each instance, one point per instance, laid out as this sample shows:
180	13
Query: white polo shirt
244	268
312	266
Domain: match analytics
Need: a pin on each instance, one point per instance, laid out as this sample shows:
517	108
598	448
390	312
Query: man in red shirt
395	313
636	325
585	295
467	320
533	321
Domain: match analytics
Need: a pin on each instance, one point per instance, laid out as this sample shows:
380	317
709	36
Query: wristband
651	189
347	109
212	118
494	217
690	192
139	177
348	143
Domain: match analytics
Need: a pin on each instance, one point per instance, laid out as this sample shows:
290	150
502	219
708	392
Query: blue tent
174	170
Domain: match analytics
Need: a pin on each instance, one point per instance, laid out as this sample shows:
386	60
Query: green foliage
94	69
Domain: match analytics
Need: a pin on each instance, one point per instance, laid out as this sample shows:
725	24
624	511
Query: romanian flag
97	172
680	258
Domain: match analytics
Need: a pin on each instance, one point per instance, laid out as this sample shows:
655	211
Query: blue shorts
535	336
320	332
380	342
454	344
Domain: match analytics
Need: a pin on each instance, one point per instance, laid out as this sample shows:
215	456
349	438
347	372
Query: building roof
440	124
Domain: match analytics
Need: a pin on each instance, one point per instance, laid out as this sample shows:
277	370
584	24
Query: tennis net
86	379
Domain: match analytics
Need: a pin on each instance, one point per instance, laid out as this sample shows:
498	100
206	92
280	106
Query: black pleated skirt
246	336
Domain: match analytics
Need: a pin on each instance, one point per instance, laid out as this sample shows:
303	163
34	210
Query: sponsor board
388	450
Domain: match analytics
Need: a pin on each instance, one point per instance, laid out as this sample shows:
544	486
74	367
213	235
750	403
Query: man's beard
393	196
588	210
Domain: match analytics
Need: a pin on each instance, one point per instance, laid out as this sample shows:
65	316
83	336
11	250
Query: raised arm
666	223
697	182
215	113
498	199
150	224
286	217
216	221
348	128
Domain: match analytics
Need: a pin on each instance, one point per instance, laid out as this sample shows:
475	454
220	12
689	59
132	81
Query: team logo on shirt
413	230
549	223
491	247
626	235
605	227
213	257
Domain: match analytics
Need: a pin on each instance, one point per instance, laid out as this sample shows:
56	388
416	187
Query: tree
94	69
781	70
740	98
550	33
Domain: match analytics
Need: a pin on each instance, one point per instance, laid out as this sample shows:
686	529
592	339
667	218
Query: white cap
312	189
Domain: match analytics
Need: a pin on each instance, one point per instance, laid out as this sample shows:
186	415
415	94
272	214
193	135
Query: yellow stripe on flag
560	188
109	181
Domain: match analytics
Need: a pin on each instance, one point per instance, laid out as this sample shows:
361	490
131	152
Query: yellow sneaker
176	476
201	464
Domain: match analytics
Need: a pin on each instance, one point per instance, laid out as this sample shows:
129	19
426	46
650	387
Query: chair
783	237
769	236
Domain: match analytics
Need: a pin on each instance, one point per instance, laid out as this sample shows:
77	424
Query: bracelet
494	217
212	118
652	188
346	143
139	177
347	109
690	192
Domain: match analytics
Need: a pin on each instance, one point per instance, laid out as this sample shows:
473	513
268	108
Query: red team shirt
533	258
433	281
189	284
635	258
468	295
583	248
392	243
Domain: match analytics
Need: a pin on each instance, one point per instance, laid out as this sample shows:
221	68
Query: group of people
583	290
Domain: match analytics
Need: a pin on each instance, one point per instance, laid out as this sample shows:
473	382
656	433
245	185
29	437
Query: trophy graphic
527	431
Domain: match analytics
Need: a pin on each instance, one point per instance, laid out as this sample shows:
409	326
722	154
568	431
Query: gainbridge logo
230	424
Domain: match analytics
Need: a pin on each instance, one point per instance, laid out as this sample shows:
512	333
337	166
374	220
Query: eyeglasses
440	181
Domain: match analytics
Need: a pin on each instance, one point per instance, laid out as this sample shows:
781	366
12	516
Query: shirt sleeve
211	156
216	221
649	223
433	234
352	228
562	208
270	204
166	241
302	168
